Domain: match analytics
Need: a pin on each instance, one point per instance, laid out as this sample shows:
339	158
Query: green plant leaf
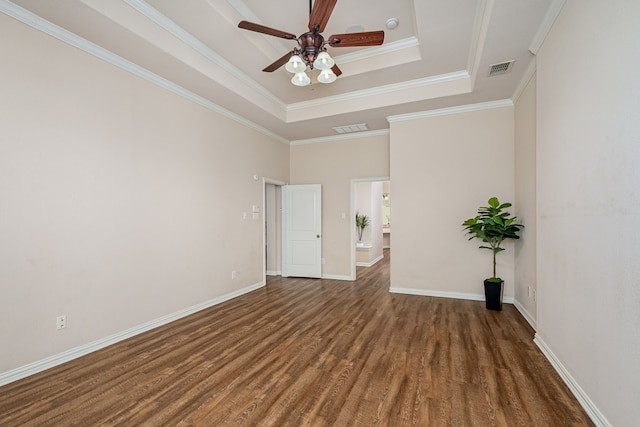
492	226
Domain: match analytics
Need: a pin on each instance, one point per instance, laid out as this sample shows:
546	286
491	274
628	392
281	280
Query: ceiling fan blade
279	63
320	15
369	38
336	70
251	26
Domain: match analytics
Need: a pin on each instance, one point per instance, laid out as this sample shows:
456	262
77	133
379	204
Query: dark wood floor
310	352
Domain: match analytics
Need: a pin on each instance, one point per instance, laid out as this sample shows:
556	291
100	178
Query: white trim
549	19
336	277
74	40
278	183
380	90
451	110
372	52
594	413
76	352
528	317
154	15
479	37
341	137
442	294
524	81
370	264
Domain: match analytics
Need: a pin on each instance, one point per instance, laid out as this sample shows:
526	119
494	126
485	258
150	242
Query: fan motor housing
311	44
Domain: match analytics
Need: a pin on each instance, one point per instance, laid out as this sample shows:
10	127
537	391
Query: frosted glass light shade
301	79
327	76
323	61
295	65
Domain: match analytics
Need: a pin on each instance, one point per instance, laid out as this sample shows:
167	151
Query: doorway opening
272	237
371	197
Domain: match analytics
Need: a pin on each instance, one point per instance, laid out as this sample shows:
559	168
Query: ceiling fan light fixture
311	51
327	76
323	61
295	65
300	79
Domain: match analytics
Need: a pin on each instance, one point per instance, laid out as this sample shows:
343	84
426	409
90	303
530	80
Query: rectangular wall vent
501	68
351	128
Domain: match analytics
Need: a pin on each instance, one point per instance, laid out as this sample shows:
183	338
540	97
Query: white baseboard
369	264
441	294
337	277
274	273
594	413
528	317
74	353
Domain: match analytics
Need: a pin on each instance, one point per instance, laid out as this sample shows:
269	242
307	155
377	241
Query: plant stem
494	264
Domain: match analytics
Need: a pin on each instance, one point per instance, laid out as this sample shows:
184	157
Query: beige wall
588	186
442	169
525	201
120	202
334	165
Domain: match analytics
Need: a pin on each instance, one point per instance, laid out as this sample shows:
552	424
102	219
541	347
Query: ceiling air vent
501	68
351	128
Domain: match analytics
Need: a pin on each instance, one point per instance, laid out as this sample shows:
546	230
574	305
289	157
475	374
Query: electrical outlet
234	274
61	322
529	291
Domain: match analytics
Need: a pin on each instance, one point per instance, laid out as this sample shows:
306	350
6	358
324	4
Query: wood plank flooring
310	352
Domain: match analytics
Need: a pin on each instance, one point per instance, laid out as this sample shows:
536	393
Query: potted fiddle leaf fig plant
362	222
493	225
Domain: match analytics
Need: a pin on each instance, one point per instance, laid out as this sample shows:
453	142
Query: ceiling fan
312	46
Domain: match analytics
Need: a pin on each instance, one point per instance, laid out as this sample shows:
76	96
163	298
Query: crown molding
341	137
524	81
161	20
480	29
244	12
550	18
372	52
72	39
380	90
451	110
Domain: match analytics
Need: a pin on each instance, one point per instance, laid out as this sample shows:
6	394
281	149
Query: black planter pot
493	294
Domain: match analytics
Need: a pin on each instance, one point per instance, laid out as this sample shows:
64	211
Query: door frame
352	221
277	183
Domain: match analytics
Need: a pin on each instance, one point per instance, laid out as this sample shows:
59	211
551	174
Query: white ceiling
438	57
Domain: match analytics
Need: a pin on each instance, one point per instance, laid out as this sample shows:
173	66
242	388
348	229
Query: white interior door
302	229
